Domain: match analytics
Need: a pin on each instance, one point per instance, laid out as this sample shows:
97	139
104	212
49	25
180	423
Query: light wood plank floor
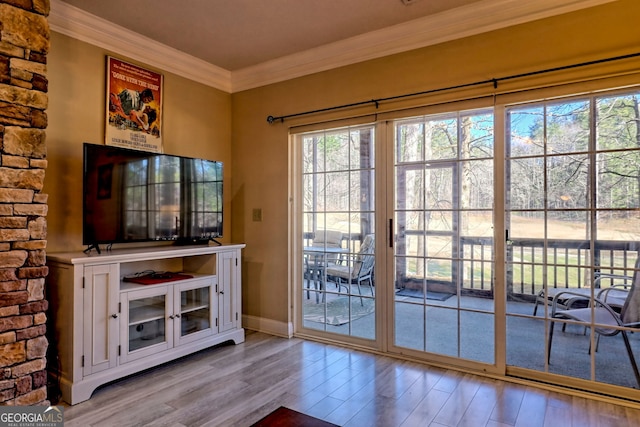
238	385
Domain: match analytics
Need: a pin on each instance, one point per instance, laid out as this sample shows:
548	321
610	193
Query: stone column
24	44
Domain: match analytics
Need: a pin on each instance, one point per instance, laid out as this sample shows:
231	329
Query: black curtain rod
494	81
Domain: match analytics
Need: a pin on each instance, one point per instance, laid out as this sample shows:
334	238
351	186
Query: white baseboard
268	326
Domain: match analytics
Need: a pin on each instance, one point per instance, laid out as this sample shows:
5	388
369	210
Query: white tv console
104	328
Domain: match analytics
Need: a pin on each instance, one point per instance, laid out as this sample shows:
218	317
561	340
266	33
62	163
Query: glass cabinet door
160	318
146	322
195	313
146	326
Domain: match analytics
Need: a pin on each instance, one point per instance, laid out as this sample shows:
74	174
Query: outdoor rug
337	309
417	293
285	417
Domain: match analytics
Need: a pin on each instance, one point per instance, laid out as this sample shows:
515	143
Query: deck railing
559	263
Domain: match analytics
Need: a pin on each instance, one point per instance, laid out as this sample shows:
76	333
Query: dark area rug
285	417
417	293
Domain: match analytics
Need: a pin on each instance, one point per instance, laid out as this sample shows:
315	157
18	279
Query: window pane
412	181
567	127
618	180
361	196
439	220
439	190
572	225
336	192
476	135
336	151
525	136
441	138
526	224
413	220
415	244
360	149
567	181
617	122
313	155
410	142
477	223
308	196
619	225
526	186
476	186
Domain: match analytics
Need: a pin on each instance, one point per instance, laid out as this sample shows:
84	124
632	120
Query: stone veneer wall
24	44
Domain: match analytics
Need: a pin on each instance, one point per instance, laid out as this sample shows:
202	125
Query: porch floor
469	333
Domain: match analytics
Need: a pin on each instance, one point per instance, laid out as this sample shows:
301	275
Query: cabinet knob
177	316
221	292
114	315
171	317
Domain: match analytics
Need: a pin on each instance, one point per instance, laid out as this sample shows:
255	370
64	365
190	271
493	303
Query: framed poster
134	107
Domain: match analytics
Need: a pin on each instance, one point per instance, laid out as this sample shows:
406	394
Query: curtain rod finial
270	119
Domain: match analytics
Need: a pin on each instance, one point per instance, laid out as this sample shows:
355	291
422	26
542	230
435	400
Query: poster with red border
134	107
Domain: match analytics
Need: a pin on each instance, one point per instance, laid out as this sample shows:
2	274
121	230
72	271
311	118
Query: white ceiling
248	43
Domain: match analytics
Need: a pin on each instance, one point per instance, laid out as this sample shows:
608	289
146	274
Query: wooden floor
238	385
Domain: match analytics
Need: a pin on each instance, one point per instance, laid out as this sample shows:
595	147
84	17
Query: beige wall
260	150
196	123
205	122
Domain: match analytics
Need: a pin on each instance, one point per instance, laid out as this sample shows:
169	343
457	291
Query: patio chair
605	319
356	270
324	250
328	239
579	297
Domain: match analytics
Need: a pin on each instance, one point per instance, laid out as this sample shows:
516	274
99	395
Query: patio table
317	258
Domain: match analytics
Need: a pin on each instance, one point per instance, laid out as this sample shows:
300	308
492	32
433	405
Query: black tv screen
137	196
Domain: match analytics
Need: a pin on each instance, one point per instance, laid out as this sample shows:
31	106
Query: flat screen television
138	196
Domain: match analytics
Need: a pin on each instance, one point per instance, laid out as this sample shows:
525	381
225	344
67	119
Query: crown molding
78	24
480	17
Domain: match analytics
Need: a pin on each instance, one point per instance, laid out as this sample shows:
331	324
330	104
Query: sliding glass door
573	185
443	228
493	215
338	239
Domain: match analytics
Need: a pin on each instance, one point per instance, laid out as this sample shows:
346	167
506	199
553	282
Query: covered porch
456	317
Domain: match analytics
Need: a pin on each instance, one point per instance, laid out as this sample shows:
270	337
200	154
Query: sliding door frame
384	209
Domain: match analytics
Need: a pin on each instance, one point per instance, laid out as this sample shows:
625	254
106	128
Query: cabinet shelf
194	307
139	312
144	318
131	286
